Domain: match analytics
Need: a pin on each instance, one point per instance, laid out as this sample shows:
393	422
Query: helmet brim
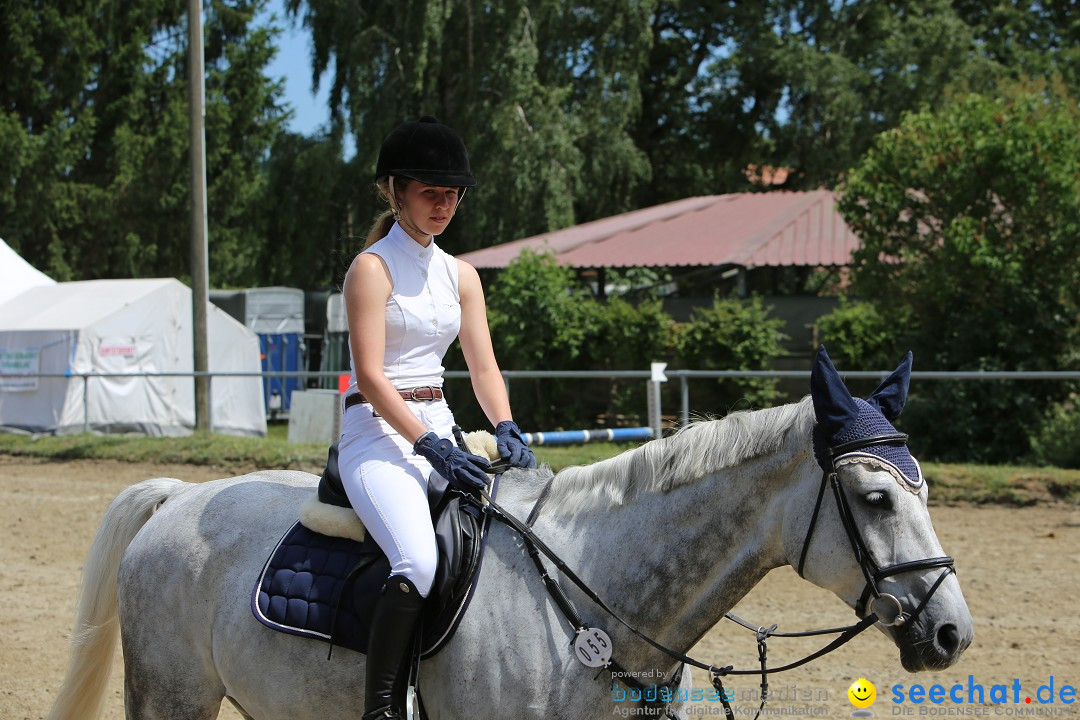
435	177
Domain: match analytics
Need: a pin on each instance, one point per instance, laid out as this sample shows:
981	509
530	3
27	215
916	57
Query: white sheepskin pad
331	520
482	443
342	522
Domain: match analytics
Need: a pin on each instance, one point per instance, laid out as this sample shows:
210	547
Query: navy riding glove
512	447
463	470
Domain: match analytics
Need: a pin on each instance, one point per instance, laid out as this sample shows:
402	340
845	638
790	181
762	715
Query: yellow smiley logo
862	693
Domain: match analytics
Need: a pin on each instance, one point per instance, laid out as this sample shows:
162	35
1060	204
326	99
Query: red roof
745	229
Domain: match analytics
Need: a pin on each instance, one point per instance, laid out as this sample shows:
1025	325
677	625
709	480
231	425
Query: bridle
873	572
868	613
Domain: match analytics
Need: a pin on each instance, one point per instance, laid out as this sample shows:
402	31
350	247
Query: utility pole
200	262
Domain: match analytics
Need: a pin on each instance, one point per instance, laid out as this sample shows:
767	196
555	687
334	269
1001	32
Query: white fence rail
649	376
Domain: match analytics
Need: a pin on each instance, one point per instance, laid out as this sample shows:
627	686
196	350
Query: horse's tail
82	693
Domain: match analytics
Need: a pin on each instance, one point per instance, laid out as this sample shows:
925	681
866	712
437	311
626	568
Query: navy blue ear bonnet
842	418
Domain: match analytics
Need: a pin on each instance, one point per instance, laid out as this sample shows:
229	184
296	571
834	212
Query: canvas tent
17	275
124	327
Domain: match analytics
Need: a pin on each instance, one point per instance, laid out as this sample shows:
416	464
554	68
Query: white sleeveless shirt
423	312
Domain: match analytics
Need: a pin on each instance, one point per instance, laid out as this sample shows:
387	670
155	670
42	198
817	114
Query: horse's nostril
948	638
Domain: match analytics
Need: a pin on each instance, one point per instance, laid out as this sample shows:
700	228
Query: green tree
970	221
573	112
542	318
861	337
688	146
733	334
536	317
244	116
535	314
597	54
1057	442
576	112
1028	38
622	335
806	84
46	128
544	94
96	119
307	208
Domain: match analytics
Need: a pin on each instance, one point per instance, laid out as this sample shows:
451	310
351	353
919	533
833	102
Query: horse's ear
891	394
833	405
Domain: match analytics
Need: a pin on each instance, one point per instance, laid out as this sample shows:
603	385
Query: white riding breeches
387	486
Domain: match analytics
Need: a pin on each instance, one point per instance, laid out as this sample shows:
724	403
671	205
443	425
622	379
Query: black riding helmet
427	151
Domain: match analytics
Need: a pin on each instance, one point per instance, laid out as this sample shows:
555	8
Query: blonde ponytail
381	227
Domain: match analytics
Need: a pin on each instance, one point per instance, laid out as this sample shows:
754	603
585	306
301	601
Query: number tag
593	647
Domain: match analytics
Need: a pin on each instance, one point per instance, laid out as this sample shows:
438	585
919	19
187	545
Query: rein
870	569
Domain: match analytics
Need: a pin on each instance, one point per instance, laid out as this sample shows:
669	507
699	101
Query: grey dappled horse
671	535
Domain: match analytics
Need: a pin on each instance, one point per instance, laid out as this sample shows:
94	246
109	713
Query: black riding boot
392	624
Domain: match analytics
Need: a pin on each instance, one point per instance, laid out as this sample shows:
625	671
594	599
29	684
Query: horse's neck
673	563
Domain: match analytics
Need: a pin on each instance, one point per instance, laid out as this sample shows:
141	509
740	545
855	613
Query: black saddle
325	588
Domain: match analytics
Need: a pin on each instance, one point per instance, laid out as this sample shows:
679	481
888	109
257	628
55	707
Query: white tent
17	275
126	327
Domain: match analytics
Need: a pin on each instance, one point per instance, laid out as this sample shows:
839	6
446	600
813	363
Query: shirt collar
406	242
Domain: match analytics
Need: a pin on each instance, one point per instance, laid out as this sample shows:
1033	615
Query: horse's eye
877	499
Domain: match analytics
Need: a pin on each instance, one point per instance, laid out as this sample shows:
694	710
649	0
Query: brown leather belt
416	394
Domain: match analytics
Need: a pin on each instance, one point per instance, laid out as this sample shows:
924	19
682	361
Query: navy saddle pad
325	588
308	587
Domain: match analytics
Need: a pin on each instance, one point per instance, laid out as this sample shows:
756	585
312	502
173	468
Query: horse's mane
695	451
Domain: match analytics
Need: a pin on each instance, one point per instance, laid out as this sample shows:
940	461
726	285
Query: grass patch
561	456
241	454
952	483
1001	484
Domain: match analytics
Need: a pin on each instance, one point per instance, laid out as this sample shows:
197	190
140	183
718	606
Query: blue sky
293	64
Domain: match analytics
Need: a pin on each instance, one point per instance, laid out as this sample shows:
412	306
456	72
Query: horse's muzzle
933	645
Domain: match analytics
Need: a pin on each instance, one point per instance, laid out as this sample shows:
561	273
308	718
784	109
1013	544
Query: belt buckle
432	390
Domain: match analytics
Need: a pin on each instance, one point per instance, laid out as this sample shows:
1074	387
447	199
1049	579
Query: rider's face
429	208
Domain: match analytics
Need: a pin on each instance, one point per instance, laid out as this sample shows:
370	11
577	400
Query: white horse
671	535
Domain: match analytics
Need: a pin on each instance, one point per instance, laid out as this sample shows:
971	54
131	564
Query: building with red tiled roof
747	230
745	241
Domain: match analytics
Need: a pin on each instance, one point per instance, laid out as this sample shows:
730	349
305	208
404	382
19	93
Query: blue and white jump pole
635	434
570	437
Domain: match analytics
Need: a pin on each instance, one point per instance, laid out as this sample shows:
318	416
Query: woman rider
406	301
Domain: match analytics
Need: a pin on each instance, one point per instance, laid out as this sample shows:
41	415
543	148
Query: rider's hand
463	470
512	447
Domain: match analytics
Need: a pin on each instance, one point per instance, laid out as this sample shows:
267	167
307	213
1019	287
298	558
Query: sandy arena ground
1020	570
